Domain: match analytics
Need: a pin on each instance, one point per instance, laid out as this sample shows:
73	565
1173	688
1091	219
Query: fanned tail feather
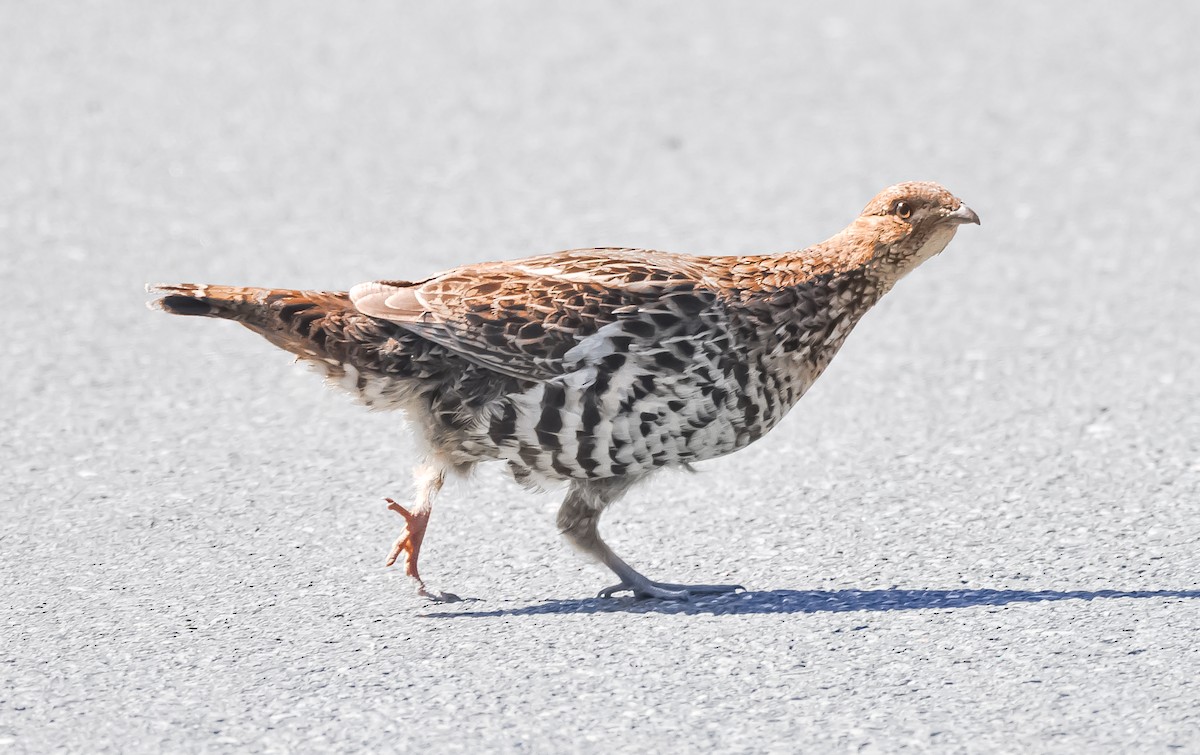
196	300
298	321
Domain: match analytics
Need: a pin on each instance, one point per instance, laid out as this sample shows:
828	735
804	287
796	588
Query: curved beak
963	214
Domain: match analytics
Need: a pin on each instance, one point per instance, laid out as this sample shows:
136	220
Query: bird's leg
579	520
429	479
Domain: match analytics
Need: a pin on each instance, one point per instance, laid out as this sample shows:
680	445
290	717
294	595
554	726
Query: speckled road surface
980	532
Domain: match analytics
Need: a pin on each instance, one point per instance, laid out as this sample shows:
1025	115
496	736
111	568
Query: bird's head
906	224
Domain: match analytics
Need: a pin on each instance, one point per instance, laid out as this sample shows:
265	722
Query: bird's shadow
814	601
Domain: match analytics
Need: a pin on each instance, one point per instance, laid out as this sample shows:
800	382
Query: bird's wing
533	318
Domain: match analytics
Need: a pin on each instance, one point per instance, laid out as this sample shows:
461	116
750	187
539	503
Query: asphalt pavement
979	532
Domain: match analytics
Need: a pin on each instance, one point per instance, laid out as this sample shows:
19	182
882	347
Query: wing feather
527	318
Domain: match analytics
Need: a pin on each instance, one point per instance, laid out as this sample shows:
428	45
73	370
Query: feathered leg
579	520
429	479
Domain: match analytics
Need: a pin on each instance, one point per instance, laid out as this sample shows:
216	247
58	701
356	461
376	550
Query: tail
376	361
297	321
228	302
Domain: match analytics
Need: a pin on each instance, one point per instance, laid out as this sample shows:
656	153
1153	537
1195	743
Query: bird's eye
903	210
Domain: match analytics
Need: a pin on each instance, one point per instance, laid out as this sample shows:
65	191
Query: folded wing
538	318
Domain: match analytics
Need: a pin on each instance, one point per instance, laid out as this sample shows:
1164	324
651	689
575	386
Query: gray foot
437	596
644	588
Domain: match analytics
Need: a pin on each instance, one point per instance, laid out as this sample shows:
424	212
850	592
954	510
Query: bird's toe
702	589
646	590
437	596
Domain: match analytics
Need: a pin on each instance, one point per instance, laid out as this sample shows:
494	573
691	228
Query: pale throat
887	269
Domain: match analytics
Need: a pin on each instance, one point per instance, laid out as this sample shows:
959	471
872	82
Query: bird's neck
848	256
805	303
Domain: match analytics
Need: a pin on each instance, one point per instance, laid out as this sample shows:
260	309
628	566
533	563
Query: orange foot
409	543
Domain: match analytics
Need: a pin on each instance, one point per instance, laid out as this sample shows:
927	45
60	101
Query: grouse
593	367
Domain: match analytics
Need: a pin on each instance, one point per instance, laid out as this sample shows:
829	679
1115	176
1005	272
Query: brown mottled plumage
594	366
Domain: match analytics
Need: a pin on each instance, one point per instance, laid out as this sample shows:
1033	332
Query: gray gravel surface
978	533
